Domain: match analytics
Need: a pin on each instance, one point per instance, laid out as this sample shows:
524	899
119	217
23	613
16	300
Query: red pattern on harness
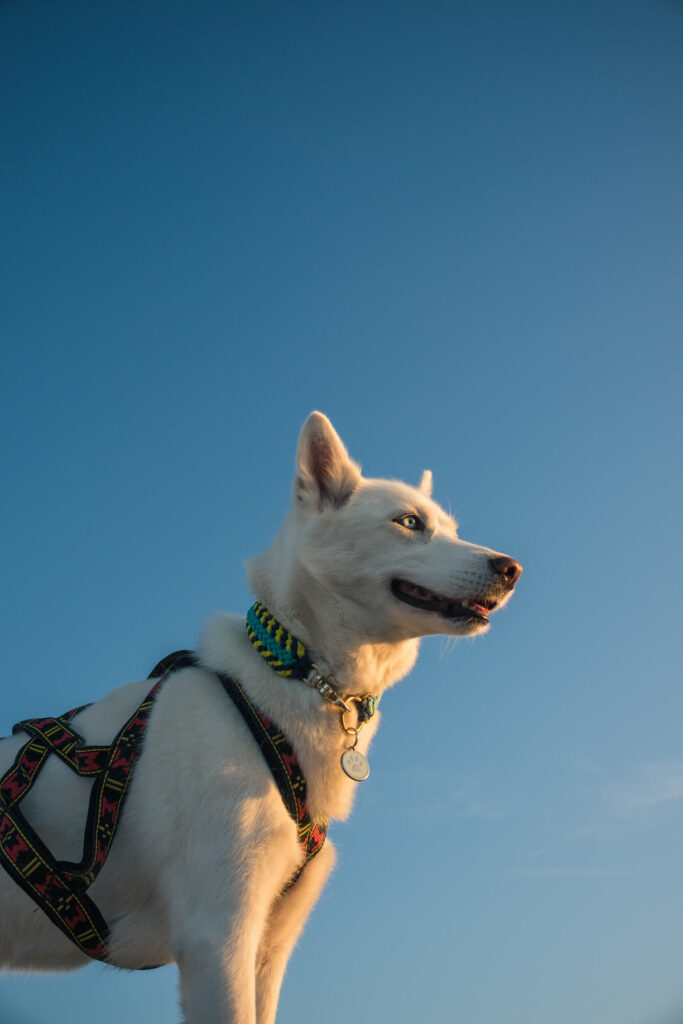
60	888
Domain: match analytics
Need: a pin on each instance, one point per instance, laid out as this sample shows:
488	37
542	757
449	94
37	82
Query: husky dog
205	868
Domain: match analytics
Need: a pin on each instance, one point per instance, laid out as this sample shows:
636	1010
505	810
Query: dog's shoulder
221	642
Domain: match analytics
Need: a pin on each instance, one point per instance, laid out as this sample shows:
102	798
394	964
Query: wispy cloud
612	809
656	784
467	804
466	800
571	872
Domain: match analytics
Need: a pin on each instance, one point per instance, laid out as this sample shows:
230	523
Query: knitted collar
288	657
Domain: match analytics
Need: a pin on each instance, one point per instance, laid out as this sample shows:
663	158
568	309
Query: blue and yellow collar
287	656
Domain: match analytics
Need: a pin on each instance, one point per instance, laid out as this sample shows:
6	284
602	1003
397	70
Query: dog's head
383	554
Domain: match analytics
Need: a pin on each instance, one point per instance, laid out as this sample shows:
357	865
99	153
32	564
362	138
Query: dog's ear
425	484
324	471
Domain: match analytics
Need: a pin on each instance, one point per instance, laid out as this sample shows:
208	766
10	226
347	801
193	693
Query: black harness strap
59	887
59	738
32	866
286	770
280	758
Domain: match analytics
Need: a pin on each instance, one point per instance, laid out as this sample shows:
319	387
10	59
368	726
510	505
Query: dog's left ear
324	471
425	484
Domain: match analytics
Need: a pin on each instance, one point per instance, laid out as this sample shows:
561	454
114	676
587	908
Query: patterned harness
60	887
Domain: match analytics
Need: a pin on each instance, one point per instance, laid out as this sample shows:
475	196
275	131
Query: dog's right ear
425	484
325	474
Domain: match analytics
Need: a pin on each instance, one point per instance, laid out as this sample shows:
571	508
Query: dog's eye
410	522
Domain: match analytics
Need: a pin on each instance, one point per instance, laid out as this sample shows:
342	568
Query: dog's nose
507	568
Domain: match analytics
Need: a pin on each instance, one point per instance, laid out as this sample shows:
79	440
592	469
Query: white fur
205	844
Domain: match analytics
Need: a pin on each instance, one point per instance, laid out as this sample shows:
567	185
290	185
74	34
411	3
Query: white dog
206	866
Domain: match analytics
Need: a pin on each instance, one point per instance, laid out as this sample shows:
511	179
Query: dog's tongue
476	607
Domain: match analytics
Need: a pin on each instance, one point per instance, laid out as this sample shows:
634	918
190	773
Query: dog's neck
360	668
341	647
311	723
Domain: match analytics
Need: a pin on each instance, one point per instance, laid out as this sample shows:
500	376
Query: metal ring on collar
351	730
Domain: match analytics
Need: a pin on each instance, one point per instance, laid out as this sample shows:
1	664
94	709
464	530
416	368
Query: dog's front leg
217	979
216	933
282	929
210	990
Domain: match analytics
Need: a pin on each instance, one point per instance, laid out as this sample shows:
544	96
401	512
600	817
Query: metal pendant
355	765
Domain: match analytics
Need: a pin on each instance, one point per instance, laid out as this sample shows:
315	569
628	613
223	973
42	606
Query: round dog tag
355	765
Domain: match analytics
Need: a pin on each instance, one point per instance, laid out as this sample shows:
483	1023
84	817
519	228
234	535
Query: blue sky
457	230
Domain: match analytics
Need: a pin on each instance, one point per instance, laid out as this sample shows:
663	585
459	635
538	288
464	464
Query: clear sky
457	229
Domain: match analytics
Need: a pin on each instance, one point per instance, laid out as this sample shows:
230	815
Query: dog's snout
506	567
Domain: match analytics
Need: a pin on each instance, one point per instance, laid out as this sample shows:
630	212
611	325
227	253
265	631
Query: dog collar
288	657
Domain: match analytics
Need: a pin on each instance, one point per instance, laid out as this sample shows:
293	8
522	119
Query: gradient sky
457	229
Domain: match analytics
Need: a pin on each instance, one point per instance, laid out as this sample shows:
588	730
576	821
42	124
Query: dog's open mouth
446	607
